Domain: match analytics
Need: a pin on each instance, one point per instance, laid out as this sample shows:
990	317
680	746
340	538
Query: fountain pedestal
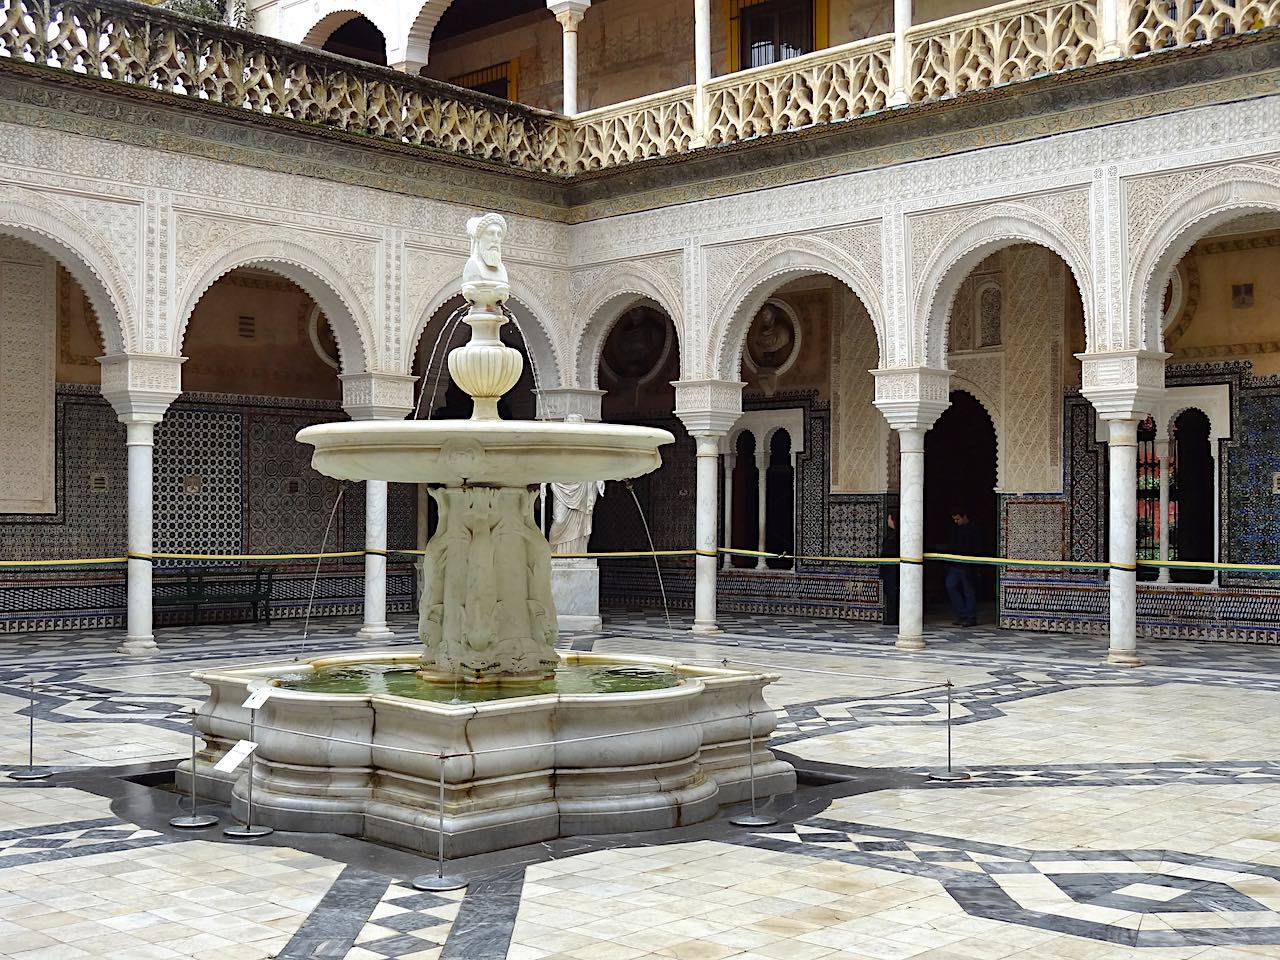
575	588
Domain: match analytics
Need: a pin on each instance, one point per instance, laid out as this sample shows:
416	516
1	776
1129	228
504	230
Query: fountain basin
500	453
516	770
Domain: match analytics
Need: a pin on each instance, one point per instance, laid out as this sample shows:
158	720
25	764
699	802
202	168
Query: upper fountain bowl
505	453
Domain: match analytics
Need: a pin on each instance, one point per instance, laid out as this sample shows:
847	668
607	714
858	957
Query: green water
401	680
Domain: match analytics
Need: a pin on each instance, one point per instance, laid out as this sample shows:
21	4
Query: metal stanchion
439	883
246	831
752	819
31	773
195	820
949	774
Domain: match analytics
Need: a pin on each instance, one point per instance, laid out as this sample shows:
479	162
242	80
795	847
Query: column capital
1122	384
411	67
377	396
912	398
141	386
569	12
708	408
559	403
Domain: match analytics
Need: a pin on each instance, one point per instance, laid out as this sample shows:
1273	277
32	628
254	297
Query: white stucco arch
775	264
313	24
321	279
539	342
45	224
970	242
608	299
417	42
1233	192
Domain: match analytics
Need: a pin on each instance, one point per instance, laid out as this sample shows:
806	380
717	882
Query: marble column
1217	507
376	396
1110	14
140	388
1124	386
570	14
704	597
730	459
375	562
911	399
701	67
708	409
1122	443
911	540
140	445
762	482
900	61
1162	454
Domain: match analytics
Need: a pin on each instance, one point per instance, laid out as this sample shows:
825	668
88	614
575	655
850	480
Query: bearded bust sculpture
484	278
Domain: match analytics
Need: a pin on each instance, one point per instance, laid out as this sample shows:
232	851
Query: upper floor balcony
173	55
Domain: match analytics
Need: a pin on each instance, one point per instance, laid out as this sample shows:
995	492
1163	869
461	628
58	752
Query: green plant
215	10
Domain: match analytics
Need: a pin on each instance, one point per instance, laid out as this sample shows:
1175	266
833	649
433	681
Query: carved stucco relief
28	367
858	430
599	295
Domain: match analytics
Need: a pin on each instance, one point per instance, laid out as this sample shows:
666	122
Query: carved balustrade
1004	44
838	83
134	44
655	126
165	52
1162	24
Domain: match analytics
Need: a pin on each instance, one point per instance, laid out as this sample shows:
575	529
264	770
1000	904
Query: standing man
890	547
962	578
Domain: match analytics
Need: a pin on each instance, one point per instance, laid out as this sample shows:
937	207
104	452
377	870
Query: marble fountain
522	742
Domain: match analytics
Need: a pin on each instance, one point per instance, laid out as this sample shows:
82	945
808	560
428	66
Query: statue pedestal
575	588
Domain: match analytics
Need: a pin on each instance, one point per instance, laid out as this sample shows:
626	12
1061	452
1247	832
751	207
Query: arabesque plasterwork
145	230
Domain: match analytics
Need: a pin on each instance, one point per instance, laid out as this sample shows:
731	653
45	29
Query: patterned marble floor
1109	814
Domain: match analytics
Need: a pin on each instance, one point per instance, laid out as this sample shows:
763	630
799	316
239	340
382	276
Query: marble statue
571	515
484	278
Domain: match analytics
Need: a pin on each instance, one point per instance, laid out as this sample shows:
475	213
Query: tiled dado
229	478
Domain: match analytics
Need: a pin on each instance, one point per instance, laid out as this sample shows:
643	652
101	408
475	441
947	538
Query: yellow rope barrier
634	554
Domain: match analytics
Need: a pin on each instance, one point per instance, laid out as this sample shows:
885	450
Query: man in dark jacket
889	547
962	578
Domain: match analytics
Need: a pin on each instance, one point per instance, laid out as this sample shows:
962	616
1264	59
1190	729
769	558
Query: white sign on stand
235	756
257	697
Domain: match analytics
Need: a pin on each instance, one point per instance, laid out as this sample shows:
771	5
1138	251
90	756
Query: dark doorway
358	39
780	502
1191	532
960	473
745	532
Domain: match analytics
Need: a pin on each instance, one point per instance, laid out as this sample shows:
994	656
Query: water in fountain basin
401	680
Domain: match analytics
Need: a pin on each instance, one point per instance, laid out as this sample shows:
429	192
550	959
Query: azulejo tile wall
229	478
1246	607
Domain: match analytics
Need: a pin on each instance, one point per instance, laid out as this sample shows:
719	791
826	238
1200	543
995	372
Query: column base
705	628
375	631
138	646
910	643
1123	658
569	623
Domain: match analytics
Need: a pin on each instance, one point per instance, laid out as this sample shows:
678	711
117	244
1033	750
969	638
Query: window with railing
770	31
500	80
1149	515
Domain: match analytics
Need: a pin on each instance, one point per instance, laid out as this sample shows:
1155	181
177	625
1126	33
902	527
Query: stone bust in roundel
484	278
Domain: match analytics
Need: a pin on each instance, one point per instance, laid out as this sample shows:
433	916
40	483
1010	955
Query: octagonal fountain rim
694	680
488	452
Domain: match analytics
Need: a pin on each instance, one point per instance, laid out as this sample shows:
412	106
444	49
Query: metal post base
244	832
950	776
193	821
433	884
28	775
753	820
